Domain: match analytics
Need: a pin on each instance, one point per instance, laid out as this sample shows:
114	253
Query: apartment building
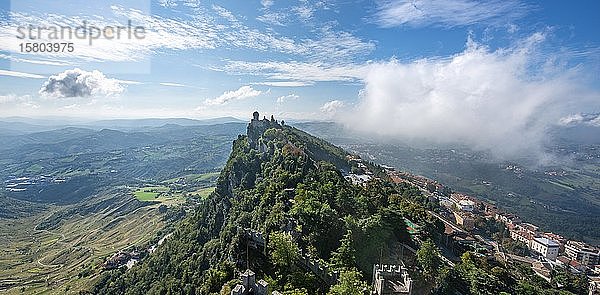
545	247
582	253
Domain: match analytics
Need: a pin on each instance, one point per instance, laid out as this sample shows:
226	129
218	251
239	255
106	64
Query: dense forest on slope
559	196
290	187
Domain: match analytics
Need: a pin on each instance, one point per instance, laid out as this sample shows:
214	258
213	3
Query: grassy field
177	190
203	193
168	196
151	193
67	259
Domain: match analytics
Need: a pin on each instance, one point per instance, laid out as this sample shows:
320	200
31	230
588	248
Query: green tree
429	259
345	255
350	283
282	249
577	284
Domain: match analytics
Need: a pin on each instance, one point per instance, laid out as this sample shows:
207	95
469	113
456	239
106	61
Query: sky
451	70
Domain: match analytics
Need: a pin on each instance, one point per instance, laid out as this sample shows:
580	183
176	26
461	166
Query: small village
461	213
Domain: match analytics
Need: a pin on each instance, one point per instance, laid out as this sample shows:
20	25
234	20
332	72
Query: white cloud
336	46
80	83
171	84
242	93
20	74
307	9
274	18
167	3
332	107
306	72
11	104
160	34
199	29
501	101
285	83
448	13
305	12
328	44
580	119
48	62
11	98
129	82
266	3
288	97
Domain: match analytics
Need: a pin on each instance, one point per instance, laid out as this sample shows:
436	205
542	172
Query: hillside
304	217
561	197
288	186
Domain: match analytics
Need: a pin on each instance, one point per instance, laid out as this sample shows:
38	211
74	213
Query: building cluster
361	174
553	250
582	253
23	183
549	249
121	259
463	208
551	246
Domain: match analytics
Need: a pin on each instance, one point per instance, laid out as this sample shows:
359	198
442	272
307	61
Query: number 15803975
47	47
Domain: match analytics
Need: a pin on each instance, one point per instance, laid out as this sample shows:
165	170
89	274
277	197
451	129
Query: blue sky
329	59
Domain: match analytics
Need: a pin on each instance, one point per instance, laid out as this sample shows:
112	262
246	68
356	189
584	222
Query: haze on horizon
495	75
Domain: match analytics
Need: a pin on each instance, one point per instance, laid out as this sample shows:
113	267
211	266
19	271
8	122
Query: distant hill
15	140
22	125
91	160
16	128
157	122
71	140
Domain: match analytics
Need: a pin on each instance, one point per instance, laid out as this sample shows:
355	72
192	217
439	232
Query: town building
582	253
391	279
524	232
556	237
543	269
521	236
466	205
529	228
509	220
466	220
545	247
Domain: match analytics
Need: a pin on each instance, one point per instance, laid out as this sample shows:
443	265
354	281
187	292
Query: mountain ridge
282	182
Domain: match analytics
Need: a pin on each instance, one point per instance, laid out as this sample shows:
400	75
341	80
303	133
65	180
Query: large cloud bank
500	101
80	83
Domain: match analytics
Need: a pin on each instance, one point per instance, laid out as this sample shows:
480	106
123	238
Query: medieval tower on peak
257	127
